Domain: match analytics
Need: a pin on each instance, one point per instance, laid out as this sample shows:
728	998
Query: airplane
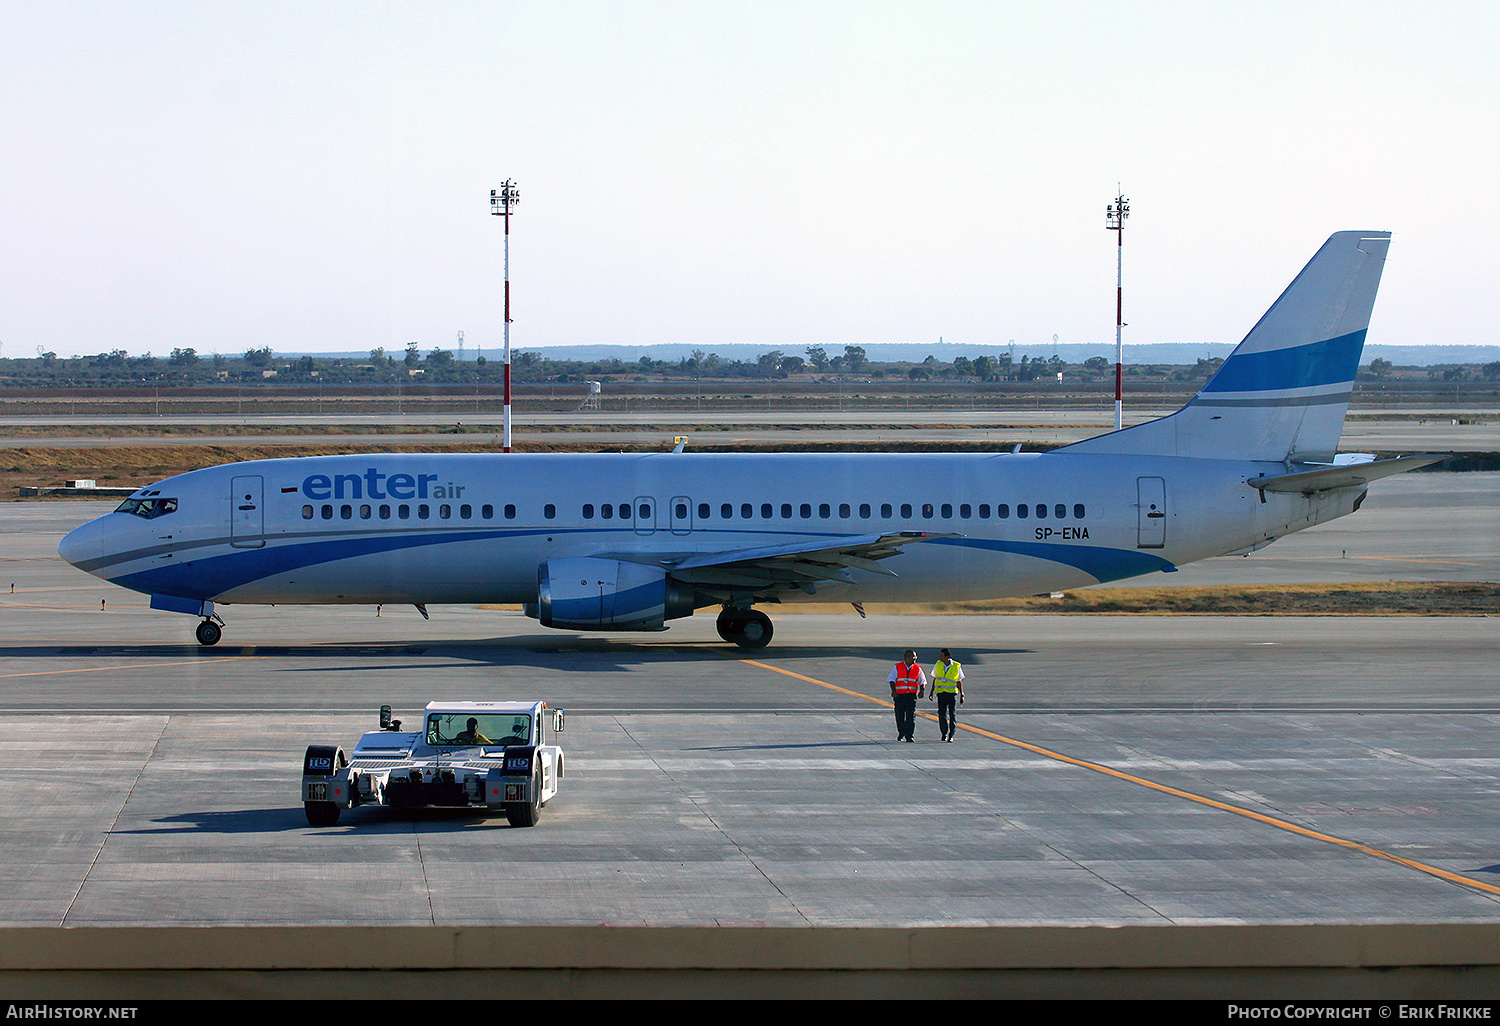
617	542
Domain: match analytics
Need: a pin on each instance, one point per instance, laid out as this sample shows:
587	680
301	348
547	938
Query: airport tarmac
1110	770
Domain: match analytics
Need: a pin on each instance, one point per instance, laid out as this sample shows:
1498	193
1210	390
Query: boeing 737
621	542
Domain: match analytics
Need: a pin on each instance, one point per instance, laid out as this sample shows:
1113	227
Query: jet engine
595	594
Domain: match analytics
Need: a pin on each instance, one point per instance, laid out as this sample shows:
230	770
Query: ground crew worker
471	735
947	684
908	683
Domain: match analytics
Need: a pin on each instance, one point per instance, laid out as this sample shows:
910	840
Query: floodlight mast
501	200
1114	220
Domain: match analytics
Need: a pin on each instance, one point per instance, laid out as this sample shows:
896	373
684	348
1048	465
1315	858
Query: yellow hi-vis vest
945	680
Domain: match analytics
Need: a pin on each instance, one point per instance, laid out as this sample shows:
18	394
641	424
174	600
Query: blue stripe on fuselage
205	577
1102	564
208	577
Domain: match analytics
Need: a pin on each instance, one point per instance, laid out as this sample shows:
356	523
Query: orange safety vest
908	678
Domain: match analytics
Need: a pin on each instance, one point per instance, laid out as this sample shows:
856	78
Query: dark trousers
947	712
906	715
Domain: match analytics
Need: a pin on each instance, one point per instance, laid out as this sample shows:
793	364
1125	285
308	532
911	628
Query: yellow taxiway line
1260	817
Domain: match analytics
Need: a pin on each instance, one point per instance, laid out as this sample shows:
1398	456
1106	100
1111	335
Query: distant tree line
186	366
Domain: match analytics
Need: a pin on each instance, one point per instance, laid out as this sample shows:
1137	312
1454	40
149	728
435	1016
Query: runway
1111	770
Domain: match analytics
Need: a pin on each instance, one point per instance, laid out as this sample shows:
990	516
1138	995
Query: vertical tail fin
1281	395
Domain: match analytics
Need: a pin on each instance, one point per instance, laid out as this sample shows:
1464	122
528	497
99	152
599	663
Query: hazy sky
315	176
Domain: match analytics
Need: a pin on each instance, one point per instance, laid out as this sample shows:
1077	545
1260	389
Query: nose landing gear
749	629
209	632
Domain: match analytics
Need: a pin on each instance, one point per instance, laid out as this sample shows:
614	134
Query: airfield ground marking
1280	824
101	669
1373	559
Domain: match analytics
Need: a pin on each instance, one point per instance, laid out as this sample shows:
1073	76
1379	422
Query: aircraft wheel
726	625
321	814
209	633
753	630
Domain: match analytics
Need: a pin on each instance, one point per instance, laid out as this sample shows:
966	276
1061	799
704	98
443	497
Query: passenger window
1059	511
588	511
965	510
327	512
346	512
906	511
864	510
549	511
445	511
1078	511
786	511
643	512
385	512
679	511
1022	510
704	510
885	510
364	512
947	511
510	511
607	512
984	511
403	511
805	510
488	512
765	511
1002	511
423	511
825	511
1041	511
844	511
307	512
927	510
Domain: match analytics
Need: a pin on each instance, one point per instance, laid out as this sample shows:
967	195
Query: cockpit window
148	509
478	728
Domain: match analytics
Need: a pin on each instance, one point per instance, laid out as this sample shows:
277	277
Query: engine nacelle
592	594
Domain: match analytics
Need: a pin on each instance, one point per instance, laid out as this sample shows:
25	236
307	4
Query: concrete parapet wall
1438	960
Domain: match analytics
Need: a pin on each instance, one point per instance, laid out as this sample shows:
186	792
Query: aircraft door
681	514
645	514
247	523
1151	512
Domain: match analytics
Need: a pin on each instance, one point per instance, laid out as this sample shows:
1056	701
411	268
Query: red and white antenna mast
1114	220
501	200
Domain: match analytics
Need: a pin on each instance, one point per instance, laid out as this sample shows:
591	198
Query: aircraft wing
1340	476
798	564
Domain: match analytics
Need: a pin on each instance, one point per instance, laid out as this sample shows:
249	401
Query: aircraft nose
83	544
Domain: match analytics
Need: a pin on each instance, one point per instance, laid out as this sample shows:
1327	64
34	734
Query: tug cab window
487	729
148	509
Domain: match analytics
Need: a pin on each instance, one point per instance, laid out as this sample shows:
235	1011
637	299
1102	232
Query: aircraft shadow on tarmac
597	653
774	747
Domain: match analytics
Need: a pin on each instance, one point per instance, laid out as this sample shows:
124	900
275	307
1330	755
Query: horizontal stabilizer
1349	476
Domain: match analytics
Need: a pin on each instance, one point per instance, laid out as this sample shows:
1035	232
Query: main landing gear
748	628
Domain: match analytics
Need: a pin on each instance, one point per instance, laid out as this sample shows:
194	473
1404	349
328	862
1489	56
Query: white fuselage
418	528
